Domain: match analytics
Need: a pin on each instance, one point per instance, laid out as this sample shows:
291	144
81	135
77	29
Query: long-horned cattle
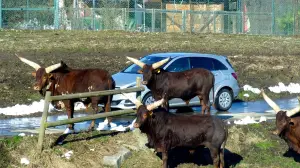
287	123
185	85
61	79
167	131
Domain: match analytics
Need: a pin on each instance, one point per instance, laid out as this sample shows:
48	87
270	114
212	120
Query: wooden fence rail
48	98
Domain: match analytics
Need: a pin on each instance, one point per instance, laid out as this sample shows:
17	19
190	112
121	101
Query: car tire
223	100
148	99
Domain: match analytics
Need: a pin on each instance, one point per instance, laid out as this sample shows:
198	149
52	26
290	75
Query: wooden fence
48	98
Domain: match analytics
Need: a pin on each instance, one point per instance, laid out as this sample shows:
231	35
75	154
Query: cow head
42	75
283	117
148	70
144	112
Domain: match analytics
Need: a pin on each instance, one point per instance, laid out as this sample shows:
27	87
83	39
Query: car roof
184	54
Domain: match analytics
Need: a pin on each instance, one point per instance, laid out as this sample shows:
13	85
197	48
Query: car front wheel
148	99
223	100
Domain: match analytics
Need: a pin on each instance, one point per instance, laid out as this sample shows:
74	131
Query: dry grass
247	146
107	41
88	150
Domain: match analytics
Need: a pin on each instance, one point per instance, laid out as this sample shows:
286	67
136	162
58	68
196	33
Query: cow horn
160	63
135	101
270	102
52	67
137	62
155	104
30	63
292	112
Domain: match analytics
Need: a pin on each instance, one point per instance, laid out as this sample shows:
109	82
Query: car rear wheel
148	99
223	100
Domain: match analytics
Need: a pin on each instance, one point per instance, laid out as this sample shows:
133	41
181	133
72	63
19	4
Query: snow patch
36	106
291	88
68	154
24	161
248	120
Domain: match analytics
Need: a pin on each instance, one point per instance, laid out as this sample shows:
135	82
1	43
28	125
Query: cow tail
110	83
213	89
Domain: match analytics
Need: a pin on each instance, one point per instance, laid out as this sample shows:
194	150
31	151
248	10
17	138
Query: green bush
286	22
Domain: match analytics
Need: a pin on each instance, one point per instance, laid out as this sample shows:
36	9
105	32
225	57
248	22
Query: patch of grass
11	143
265	145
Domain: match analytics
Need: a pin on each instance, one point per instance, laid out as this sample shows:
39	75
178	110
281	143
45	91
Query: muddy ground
248	146
260	61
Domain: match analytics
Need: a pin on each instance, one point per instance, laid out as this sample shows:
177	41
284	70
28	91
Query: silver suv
226	85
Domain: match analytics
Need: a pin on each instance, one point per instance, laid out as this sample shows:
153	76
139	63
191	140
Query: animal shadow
61	139
291	153
201	156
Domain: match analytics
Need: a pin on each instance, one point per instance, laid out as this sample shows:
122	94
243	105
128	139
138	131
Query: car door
178	65
212	65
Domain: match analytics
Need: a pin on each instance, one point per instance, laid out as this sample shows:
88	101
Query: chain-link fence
278	17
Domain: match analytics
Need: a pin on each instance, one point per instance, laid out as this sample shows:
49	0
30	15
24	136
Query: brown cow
287	124
185	85
167	131
60	79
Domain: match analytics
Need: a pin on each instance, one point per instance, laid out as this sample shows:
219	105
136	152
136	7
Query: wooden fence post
43	122
138	84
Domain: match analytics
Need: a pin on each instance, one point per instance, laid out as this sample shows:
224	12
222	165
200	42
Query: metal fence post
183	20
273	16
43	122
153	20
56	14
0	14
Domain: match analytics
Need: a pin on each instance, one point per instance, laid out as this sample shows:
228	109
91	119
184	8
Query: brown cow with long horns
287	123
60	79
167	131
184	85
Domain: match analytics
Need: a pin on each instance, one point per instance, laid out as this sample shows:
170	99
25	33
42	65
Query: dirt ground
260	61
251	145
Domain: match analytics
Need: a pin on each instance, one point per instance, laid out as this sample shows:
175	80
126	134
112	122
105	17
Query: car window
218	65
179	65
202	62
207	63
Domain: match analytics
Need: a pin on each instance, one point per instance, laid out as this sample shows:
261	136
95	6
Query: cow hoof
148	145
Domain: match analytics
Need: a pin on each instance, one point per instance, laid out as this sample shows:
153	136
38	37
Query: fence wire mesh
278	17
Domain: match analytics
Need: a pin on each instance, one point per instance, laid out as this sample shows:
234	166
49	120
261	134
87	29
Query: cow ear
140	71
33	74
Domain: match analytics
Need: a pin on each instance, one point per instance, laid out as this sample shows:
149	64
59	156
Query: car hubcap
149	100
225	99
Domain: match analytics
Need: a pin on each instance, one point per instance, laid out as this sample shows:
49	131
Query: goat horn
160	63
137	62
135	101
271	103
155	104
30	63
52	67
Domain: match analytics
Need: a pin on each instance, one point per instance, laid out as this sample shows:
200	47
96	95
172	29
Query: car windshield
148	60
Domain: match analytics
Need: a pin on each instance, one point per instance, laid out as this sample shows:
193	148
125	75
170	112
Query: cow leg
70	111
107	105
165	159
95	110
207	102
214	153
222	161
203	106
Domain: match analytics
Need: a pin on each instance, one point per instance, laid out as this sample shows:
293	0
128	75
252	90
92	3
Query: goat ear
140	71
33	74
